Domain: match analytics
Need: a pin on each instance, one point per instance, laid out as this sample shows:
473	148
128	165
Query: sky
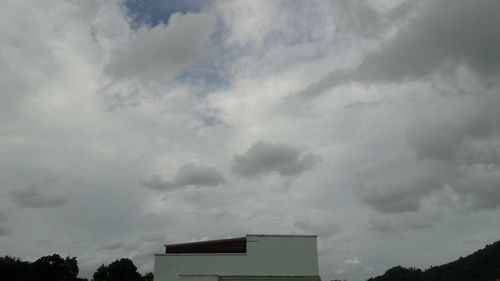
127	125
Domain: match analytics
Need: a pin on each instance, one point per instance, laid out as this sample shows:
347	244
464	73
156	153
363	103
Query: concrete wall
266	255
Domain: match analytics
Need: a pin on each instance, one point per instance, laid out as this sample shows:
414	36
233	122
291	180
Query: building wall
266	255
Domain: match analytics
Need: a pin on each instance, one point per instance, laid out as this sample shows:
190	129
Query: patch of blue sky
212	121
213	73
154	12
206	76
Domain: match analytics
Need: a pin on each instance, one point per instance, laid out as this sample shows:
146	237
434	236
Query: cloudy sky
125	125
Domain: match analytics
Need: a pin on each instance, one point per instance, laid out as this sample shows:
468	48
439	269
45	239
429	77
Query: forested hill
483	265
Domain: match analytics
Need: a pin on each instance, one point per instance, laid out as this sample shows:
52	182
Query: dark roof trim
251	276
280	235
233	245
202	254
269	277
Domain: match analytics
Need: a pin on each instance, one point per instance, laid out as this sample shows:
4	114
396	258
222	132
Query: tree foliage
148	276
52	267
119	270
56	268
13	269
483	265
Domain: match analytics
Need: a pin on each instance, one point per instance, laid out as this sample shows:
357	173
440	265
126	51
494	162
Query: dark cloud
398	185
464	134
479	186
447	127
456	143
264	158
444	34
187	175
34	197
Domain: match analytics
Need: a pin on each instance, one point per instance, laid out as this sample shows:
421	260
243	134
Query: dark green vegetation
55	268
483	265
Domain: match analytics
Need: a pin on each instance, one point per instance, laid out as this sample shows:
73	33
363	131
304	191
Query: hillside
483	265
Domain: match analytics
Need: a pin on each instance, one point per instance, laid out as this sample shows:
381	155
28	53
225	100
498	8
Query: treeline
56	268
483	265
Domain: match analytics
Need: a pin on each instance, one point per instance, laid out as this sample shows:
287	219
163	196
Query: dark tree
148	276
119	270
483	265
399	273
13	269
53	268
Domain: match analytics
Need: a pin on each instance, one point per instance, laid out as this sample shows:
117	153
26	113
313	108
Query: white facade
270	257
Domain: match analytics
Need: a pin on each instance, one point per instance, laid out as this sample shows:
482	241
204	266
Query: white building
249	258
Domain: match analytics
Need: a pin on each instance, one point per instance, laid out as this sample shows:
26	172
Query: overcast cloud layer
373	124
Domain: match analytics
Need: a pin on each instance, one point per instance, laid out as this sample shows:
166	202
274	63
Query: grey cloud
465	134
3	215
402	189
448	126
398	185
4	231
264	158
152	237
480	185
34	197
323	230
401	186
363	18
443	34
398	224
164	51
455	144
114	245
187	175
482	151
357	17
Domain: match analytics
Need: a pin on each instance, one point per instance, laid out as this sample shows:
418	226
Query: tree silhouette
13	269
483	265
53	268
119	270
148	276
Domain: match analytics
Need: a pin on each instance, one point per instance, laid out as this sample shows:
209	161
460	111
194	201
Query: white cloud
89	106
